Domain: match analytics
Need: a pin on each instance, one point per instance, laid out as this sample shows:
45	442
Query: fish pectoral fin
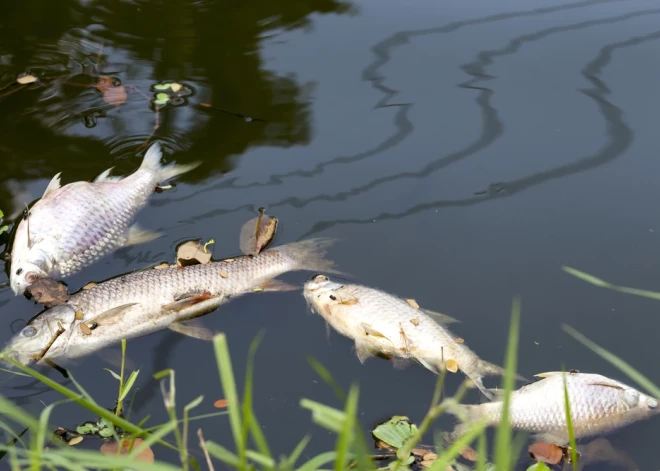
439	317
111	315
363	351
53	185
136	235
368	330
181	304
276	285
191	330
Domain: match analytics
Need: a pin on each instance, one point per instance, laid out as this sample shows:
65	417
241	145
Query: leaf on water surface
257	233
546	452
221	403
75	440
413	303
396	431
452	365
25	79
469	453
540	466
191	253
175	87
162	86
223	274
112	92
87	428
459	340
112	447
48	292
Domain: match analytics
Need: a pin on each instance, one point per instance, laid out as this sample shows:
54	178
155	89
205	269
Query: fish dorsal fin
439	317
191	330
53	185
105	176
548	374
111	315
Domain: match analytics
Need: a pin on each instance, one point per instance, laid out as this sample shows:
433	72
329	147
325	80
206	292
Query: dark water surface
462	152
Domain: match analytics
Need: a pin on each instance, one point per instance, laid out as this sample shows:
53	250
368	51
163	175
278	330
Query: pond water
461	152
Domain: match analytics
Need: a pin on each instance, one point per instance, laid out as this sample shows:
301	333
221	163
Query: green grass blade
325	416
450	454
229	389
569	423
223	454
261	459
13	442
604	284
482	451
327	377
503	458
128	385
297	451
625	367
319	460
346	434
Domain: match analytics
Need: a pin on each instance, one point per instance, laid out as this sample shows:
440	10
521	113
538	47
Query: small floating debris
192	253
48	292
258	233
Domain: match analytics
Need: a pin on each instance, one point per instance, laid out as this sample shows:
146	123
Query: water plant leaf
452	365
221	403
605	284
162	86
129	384
25	79
257	233
191	253
395	431
115	375
540	466
175	87
114	448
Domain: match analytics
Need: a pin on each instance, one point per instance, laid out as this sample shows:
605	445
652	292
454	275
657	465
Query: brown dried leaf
469	454
414	321
452	365
26	79
111	448
89	285
221	403
48	292
420	452
112	95
257	233
191	253
429	456
79	315
75	440
381	445
223	274
459	340
413	303
546	452
85	329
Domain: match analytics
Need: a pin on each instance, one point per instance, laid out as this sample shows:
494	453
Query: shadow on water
620	138
210	46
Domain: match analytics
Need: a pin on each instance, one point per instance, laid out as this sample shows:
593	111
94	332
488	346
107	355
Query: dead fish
150	300
72	226
389	327
598	405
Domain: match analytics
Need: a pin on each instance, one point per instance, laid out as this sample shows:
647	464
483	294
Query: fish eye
31	277
652	403
19	271
333	297
631	397
319	277
29	331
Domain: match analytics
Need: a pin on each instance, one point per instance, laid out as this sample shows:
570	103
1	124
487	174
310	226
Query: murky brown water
462	152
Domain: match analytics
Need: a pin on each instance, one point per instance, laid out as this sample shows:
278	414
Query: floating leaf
161	102
75	440
87	428
106	432
162	96
223	274
175	87
112	90
413	303
85	329
396	431
459	340
191	253
221	403
540	466
430	457
162	265
452	365
420	452
546	452
162	86
25	79
469	453
257	233
112	447
48	292
414	321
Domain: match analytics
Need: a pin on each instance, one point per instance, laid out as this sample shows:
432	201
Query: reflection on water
481	140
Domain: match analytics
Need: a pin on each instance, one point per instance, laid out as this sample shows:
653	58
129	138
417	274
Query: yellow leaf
413	303
89	285
26	79
75	440
452	365
175	87
414	321
223	274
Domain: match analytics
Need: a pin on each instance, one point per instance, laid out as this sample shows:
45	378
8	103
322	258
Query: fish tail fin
151	163
309	255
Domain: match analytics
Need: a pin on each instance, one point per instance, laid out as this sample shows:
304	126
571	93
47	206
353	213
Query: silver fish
154	299
598	405
386	326
72	226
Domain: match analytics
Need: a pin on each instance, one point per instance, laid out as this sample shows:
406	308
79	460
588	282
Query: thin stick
202	444
207	105
12	91
98	57
40	355
153	131
56	367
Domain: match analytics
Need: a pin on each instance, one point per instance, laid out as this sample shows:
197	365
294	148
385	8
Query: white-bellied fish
72	226
157	298
598	405
389	327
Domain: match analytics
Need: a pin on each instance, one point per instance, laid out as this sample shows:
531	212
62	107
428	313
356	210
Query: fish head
27	270
639	404
27	345
327	297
